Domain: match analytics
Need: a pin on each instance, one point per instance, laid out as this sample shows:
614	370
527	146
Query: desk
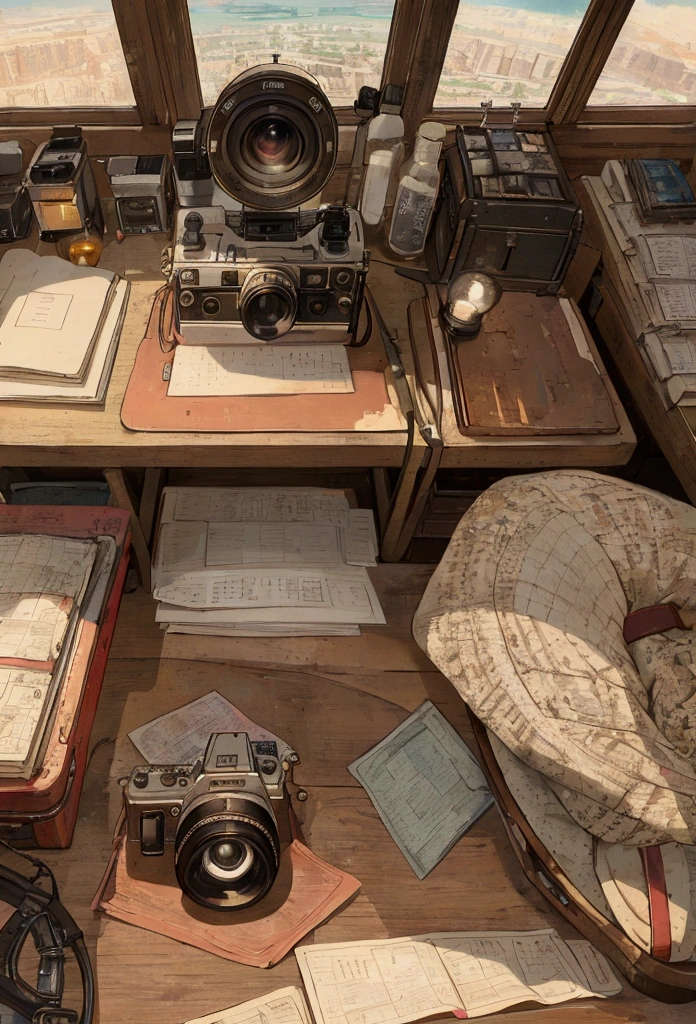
63	436
332	698
673	428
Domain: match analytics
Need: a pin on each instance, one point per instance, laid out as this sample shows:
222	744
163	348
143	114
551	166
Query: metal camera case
157	797
61	186
142	189
211	276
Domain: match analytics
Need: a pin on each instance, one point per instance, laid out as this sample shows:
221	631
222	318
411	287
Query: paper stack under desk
264	561
59	328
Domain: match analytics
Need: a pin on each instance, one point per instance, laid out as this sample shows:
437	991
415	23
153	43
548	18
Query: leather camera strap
658	618
660	928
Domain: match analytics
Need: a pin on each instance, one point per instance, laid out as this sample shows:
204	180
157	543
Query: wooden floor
332	698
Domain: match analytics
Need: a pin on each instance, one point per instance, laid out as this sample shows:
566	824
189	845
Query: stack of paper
59	328
256	561
46	585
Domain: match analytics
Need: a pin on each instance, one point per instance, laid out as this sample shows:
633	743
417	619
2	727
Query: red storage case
42	811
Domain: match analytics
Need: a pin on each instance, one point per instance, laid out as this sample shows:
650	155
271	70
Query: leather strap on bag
660	928
658	618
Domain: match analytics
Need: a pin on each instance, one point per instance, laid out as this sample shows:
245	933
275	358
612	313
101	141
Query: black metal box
506	207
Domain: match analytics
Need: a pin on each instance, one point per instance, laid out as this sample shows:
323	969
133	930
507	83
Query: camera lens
272	143
227	853
268	303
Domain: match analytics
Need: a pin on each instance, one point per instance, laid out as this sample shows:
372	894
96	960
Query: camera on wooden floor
257	273
218	817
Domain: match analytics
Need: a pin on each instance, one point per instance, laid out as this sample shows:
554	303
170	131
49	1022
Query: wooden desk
619	324
63	436
332	698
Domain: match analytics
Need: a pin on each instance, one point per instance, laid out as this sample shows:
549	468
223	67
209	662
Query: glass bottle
419	183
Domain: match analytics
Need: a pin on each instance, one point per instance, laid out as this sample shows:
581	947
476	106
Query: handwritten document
395	981
287	595
181	547
35	563
285	1006
255	543
670	255
23	694
360	539
260	370
181	736
32	626
677	299
262	505
426	786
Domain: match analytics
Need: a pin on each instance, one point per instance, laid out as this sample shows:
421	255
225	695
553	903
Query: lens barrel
227	852
272	137
268	303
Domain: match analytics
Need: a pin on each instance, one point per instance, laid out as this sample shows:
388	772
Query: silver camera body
216	815
254	277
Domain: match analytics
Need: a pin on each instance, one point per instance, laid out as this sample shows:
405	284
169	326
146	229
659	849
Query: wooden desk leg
148	501
391	550
119	489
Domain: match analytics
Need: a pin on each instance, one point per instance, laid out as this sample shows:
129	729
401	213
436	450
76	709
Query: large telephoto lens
272	137
227	859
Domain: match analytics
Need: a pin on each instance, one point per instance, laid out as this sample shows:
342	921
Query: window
341	44
654	59
507	52
56	55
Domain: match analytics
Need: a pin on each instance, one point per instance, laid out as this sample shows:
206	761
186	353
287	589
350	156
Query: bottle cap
432	130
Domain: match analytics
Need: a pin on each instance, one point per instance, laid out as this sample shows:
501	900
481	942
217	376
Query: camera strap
39	914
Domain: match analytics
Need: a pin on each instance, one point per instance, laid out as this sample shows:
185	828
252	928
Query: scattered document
279	543
677	300
250	629
275	595
470	974
285	1006
260	370
23	694
262	505
181	736
426	786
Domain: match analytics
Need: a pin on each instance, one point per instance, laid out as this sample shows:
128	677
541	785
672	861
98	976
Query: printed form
668	255
395	981
426	786
22	697
287	595
260	370
32	626
35	563
286	1006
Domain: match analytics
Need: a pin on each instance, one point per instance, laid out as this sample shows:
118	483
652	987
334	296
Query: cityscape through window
342	44
654	59
61	55
507	52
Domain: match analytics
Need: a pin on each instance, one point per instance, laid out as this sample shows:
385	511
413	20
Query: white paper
285	1006
278	543
23	694
180	547
35	563
677	299
279	595
260	370
670	255
394	981
261	629
44	310
262	505
32	626
181	736
426	786
360	538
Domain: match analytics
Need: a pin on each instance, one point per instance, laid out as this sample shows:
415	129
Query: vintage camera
254	277
273	270
142	187
15	204
192	175
61	186
216	815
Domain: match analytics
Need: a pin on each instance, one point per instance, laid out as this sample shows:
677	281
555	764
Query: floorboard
333	699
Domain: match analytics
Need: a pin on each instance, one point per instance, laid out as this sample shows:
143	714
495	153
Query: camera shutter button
268	767
141	780
168	779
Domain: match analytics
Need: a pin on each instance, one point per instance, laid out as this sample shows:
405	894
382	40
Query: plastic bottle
384	143
419	183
